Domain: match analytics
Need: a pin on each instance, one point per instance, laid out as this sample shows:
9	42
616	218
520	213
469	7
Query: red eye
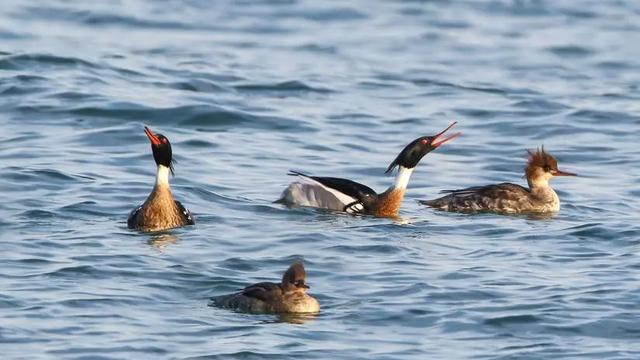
424	141
164	141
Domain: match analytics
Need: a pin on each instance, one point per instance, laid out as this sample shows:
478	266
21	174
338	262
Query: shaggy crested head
541	167
293	278
540	159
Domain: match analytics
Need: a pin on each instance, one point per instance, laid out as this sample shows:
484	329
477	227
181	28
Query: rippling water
247	90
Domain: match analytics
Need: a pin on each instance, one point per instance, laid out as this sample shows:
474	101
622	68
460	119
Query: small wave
93	18
511	320
195	85
362	249
601	115
570	51
485	88
26	85
48	176
287	86
332	14
33	62
541	104
205	117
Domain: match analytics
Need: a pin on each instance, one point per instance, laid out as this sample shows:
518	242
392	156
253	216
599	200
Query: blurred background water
246	90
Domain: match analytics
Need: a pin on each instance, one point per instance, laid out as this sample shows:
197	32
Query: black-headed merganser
349	196
509	198
160	211
289	296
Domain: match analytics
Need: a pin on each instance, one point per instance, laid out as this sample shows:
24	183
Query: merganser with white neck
160	211
509	198
351	197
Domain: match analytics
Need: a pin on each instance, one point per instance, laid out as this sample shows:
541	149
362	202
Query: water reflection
291	318
540	216
161	241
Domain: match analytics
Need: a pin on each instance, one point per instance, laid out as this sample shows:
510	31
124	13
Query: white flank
309	192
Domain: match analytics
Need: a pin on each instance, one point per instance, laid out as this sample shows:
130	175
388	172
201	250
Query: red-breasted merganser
349	196
289	296
160	211
509	198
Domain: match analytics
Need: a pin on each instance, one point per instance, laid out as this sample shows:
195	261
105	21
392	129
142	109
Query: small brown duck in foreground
289	296
160	211
509	198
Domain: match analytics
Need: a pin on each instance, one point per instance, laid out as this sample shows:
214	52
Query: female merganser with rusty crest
160	211
351	197
509	198
288	296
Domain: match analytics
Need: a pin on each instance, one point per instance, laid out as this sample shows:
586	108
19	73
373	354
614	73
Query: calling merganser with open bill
352	197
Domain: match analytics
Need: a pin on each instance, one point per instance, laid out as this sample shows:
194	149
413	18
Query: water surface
246	91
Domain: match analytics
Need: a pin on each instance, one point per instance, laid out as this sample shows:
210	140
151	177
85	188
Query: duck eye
547	168
424	141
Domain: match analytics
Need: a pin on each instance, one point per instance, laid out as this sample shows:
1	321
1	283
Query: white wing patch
187	214
135	211
309	192
354	208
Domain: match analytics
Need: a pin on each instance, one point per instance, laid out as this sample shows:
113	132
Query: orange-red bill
438	140
152	137
564	173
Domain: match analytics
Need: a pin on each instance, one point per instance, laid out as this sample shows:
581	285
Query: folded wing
505	197
327	193
263	291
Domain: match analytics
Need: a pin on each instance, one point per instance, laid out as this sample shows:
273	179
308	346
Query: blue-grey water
247	90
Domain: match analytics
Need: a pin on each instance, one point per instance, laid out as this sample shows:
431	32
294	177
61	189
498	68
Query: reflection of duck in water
352	197
160	211
295	318
162	240
509	198
288	296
